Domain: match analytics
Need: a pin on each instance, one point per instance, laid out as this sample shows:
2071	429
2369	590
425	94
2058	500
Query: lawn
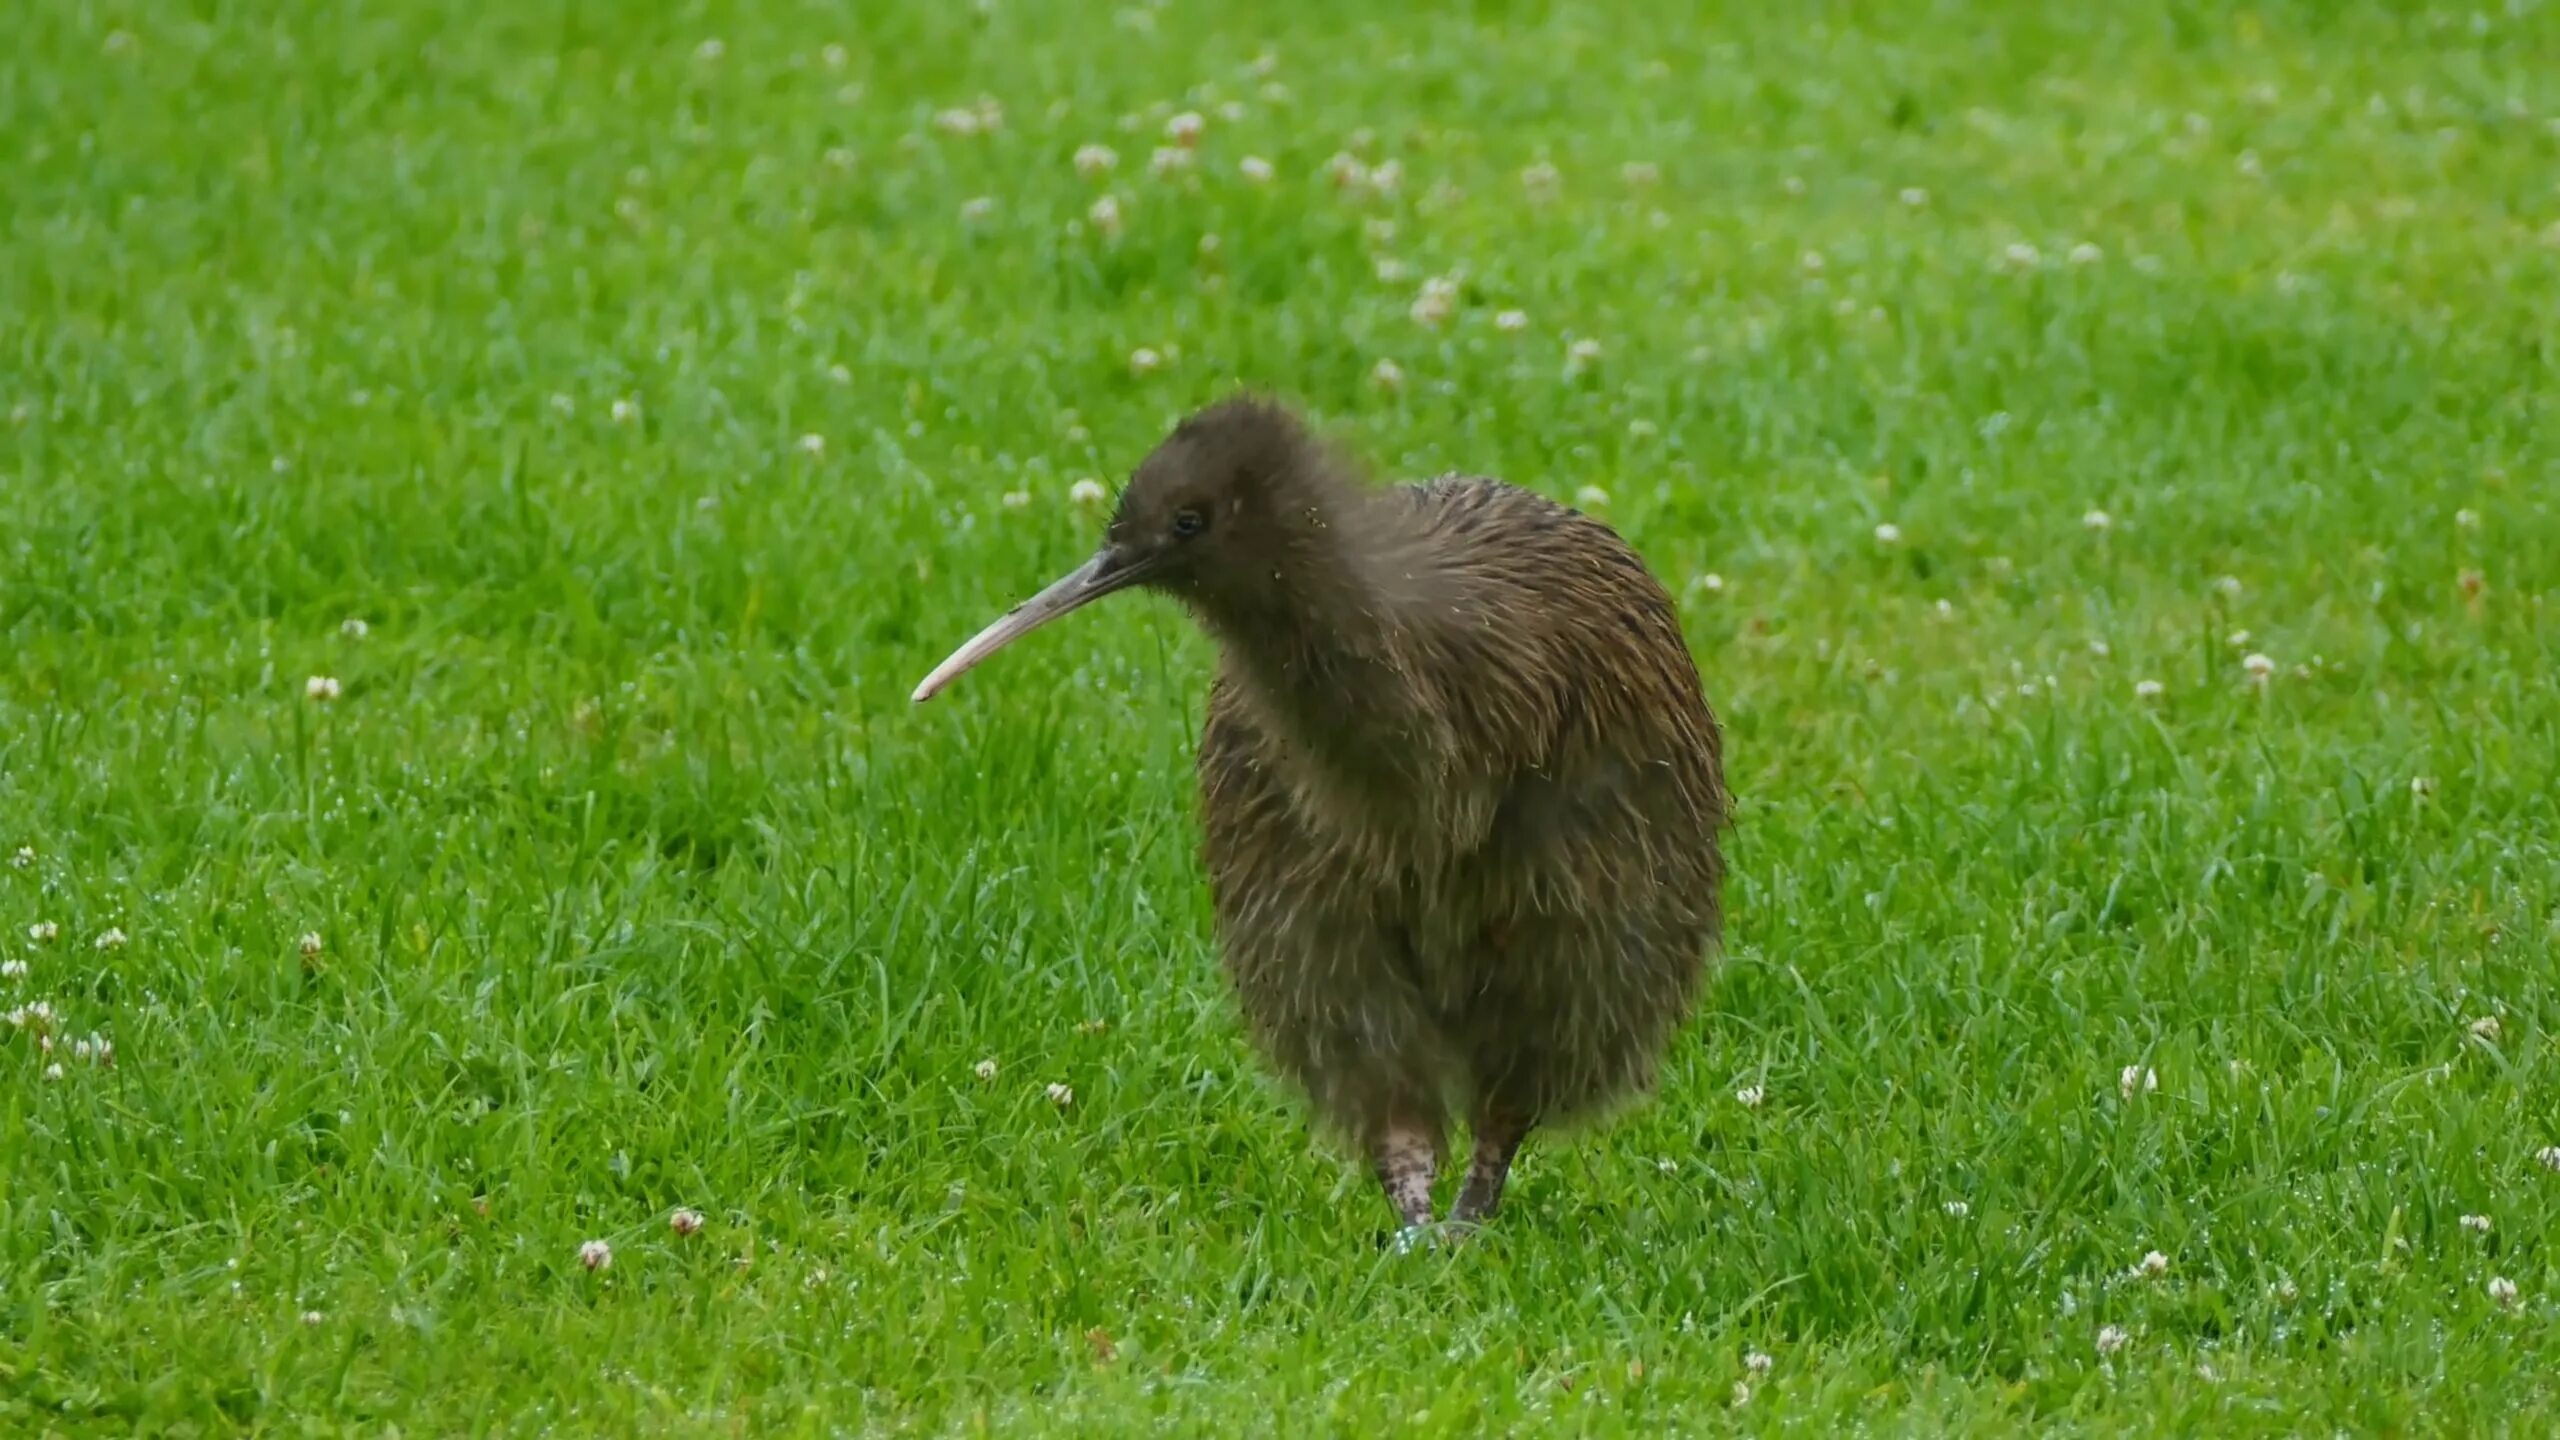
477	486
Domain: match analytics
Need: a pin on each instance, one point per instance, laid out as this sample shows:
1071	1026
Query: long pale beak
1110	569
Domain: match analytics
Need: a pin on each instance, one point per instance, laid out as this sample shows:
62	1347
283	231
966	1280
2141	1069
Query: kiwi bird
1461	790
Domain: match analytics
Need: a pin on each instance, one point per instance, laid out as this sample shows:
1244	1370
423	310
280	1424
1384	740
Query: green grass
640	885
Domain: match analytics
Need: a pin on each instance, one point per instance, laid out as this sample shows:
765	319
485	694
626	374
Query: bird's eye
1187	523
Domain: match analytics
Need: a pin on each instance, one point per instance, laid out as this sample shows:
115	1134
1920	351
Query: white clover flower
2486	1028
2501	1289
2149	690
2152	1266
596	1255
1185	129
1439	298
1581	355
44	932
2085	253
1888	533
321	687
1060	1095
984	1069
2137	1080
813	445
1387	375
1255	169
1757	1362
110	938
2258	666
2112	1338
1511	321
354	628
1749	1097
1143	361
685	1222
2097	520
1169	160
1957	1209
1105	217
1095	161
1015	499
1087	491
2476	1224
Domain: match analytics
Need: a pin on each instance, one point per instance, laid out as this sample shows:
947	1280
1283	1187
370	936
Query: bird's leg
1498	1137
1408	1160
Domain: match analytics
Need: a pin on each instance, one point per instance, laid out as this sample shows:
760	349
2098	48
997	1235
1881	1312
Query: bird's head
1214	508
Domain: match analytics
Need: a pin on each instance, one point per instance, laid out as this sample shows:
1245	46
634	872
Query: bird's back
1556	736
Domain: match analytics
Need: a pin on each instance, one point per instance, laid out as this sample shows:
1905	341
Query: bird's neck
1325	642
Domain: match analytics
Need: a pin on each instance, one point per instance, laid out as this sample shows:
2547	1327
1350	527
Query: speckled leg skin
1496	1142
1408	1161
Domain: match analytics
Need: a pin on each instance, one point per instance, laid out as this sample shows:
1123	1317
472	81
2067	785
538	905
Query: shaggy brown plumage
1461	789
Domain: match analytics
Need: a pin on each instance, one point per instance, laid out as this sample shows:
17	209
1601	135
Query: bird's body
1461	790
